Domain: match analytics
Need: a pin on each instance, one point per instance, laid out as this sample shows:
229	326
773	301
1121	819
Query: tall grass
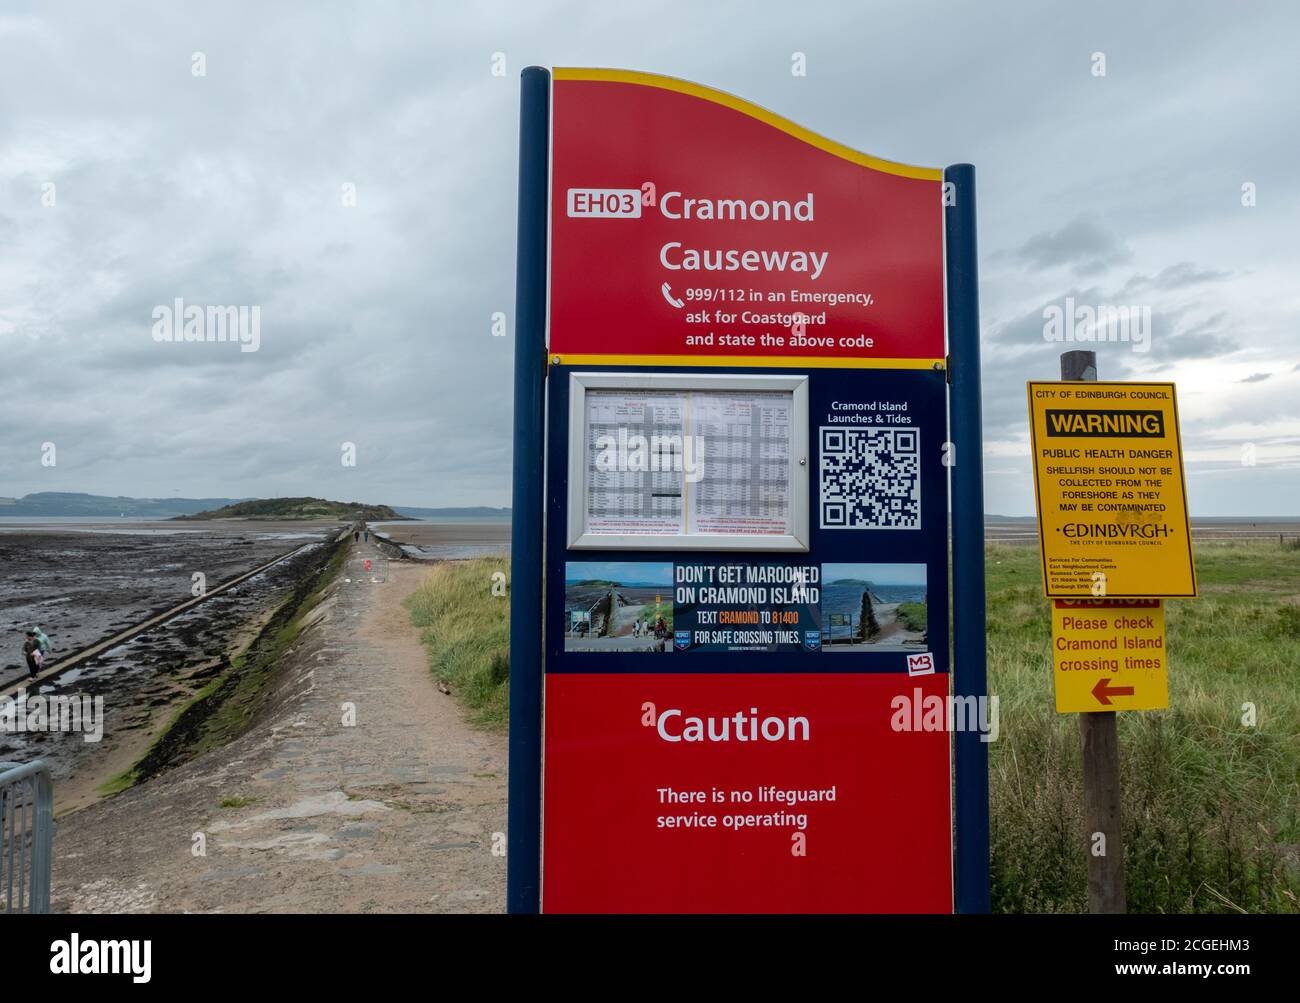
1209	802
466	630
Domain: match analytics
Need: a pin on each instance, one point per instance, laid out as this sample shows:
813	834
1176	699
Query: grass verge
1210	802
466	631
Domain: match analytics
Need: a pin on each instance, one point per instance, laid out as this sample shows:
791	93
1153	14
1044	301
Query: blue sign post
878	366
969	673
523	860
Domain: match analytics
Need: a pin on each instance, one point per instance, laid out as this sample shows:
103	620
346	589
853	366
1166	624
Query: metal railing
26	836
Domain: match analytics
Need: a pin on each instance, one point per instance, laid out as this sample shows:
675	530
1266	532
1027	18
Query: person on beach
367	535
356	537
33	654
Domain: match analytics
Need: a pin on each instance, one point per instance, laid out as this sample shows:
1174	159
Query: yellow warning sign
1109	654
1108	478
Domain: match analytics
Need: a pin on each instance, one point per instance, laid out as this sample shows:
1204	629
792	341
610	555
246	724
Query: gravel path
395	813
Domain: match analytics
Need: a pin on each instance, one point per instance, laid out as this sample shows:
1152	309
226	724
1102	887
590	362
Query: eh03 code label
605	203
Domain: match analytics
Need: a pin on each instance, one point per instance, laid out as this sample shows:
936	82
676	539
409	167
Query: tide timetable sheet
746	484
635	477
689	462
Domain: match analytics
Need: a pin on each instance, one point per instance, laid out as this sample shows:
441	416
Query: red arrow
1103	691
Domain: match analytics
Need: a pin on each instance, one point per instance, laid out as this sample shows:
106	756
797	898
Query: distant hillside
71	504
297	508
66	504
475	512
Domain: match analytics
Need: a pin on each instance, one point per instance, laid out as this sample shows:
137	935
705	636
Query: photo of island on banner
615	606
874	607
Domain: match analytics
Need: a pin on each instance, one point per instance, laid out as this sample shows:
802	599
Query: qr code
870	478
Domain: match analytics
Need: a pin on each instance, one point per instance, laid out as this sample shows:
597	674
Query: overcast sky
226	188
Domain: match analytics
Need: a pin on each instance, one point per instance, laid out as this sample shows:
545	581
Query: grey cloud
1190	346
375	318
1173	341
1177	276
1255	378
1027	328
1209	325
1082	244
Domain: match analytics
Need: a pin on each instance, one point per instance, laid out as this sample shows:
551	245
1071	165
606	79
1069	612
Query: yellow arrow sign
1109	654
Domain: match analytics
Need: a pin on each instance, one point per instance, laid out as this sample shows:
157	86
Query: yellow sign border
753	111
744	361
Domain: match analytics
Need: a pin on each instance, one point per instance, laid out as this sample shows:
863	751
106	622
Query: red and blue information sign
729	730
665	190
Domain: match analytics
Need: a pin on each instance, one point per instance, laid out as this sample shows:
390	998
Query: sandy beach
430	541
399	812
82	582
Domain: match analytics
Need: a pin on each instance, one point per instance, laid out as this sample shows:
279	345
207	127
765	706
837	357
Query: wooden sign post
1099	738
